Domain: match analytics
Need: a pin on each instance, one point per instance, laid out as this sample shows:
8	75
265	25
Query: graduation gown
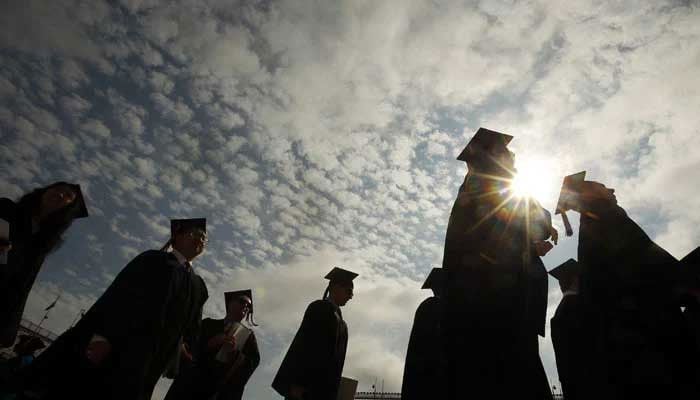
496	293
210	379
145	313
691	273
424	370
640	340
570	339
23	264
316	356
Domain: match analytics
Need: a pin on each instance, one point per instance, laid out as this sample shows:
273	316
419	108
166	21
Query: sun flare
534	179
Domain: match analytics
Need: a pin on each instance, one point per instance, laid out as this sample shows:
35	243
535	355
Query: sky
314	134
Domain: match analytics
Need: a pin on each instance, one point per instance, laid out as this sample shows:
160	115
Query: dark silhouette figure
36	225
425	367
220	372
313	366
640	342
25	349
134	331
691	301
568	329
496	282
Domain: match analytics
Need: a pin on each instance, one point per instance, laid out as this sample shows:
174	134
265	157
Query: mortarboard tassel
567	224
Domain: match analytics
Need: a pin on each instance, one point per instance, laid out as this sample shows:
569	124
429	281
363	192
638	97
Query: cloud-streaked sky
322	133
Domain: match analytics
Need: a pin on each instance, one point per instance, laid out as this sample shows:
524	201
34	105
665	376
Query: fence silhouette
397	396
377	396
27	326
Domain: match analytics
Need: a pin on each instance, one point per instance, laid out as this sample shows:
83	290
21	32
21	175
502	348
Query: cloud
313	135
176	111
72	74
7	89
96	129
75	105
54	28
161	82
129	116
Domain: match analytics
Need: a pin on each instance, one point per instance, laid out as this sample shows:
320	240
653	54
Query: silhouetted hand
216	341
230	340
296	392
543	247
97	351
554	234
186	352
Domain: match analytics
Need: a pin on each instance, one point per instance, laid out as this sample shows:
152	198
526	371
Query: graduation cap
567	197
236	294
566	272
80	200
690	265
435	279
690	272
692	258
82	211
341	276
484	139
186	225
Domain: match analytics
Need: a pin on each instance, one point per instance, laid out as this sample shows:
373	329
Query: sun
534	179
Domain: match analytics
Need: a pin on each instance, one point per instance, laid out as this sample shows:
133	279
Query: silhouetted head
568	274
592	192
189	236
239	305
689	284
340	286
54	207
58	198
581	195
487	153
435	281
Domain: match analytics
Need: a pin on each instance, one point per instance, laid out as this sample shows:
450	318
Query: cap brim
485	138
567	268
230	296
568	189
435	279
82	207
178	225
341	275
693	257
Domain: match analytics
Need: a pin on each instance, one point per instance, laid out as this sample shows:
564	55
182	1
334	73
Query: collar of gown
181	259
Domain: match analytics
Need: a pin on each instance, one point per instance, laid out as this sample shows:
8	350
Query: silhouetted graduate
312	368
30	230
138	327
691	300
425	367
227	355
628	290
497	284
568	328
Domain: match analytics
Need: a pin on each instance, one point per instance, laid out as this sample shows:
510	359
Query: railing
397	396
28	326
377	396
